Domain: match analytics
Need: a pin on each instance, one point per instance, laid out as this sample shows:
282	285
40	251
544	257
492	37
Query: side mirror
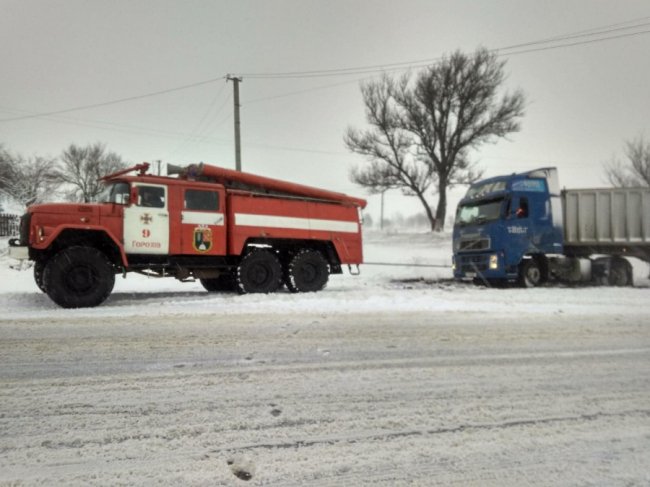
134	195
122	199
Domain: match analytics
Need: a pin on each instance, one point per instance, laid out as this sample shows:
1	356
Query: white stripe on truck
202	218
251	220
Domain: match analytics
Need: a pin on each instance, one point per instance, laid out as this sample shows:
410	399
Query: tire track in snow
642	413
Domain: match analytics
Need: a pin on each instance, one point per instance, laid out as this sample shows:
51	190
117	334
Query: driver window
522	210
151	196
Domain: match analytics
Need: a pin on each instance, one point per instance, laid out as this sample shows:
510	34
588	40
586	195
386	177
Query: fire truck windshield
114	193
479	212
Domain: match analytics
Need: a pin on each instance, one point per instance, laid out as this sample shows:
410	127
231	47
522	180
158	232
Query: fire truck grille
25	221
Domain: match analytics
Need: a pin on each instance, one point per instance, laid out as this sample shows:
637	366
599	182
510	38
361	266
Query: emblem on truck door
146	218
202	239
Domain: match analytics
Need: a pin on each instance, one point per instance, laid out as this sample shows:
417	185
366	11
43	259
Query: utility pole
235	84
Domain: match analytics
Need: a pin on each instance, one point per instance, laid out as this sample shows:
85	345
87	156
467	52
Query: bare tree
423	131
6	164
81	168
388	147
27	181
635	171
34	180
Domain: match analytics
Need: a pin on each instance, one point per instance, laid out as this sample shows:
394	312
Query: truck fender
47	242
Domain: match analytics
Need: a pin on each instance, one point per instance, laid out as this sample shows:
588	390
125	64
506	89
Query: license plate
470	274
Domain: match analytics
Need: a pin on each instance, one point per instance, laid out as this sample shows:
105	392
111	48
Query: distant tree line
72	176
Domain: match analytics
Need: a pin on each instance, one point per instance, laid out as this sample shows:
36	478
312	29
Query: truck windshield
479	212
114	193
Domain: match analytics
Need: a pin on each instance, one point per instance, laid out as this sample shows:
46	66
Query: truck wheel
620	273
79	277
308	271
39	269
223	283
530	274
259	272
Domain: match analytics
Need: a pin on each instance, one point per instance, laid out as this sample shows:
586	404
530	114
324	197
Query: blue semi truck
521	228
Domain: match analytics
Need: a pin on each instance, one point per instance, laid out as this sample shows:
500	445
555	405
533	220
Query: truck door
203	231
519	227
146	220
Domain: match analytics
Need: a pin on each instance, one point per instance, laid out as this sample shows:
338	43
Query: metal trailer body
607	221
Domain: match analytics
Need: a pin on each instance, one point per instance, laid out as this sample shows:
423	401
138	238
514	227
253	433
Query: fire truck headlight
453	263
494	261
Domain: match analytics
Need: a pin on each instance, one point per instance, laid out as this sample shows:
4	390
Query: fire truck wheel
39	269
223	283
308	271
79	277
259	272
530	274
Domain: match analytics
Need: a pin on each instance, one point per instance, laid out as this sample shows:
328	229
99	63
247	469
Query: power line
306	90
423	62
125	128
201	126
113	102
373	69
498	52
607	29
578	43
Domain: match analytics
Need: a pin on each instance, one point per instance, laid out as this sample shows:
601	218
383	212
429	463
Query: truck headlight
453	263
494	261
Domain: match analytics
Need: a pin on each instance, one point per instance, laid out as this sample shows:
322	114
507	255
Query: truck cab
504	225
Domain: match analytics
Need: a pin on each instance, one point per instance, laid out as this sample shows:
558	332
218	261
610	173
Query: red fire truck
228	229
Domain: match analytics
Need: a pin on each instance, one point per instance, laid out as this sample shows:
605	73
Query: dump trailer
230	230
522	228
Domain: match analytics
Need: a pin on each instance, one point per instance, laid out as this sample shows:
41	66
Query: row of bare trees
74	175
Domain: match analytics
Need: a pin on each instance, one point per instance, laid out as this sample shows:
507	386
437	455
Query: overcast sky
583	100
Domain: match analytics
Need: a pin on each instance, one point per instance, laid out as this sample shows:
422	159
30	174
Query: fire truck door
202	222
146	221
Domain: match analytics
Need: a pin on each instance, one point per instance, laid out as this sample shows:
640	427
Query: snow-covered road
419	398
370	382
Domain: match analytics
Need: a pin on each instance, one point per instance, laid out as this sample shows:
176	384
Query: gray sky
583	100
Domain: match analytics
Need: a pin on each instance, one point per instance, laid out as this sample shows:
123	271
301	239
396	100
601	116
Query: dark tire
79	277
620	273
39	270
307	271
259	272
224	283
530	274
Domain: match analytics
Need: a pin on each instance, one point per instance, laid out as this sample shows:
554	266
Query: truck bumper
19	253
488	265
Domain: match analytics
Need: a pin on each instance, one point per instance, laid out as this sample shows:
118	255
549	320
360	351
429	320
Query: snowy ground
394	377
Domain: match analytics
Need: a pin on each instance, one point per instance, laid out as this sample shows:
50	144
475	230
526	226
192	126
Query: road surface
392	398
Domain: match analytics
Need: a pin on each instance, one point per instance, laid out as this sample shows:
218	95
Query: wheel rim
259	274
308	273
80	279
533	275
617	276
